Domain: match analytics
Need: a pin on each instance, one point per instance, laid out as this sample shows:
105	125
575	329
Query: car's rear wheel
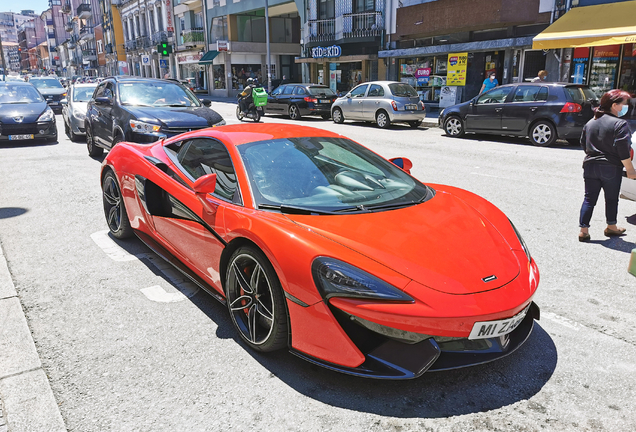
454	126
382	119
114	208
93	150
255	300
543	134
294	112
337	116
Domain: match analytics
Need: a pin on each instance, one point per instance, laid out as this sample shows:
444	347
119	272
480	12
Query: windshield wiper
391	206
173	105
136	104
287	209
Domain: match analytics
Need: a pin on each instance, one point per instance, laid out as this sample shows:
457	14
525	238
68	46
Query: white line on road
112	249
561	320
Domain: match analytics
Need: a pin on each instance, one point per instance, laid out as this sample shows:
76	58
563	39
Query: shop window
604	68
218	30
241	72
627	76
219	76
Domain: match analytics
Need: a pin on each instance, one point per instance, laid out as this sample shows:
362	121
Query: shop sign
222	45
190	58
168	9
607	52
456	68
581	54
326	52
422	75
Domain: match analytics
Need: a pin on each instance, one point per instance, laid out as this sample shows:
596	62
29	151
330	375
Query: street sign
163	63
145	60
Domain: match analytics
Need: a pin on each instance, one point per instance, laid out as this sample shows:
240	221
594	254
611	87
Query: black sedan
143	110
541	111
24	114
297	100
52	90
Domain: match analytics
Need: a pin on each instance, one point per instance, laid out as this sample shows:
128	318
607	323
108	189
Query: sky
38	6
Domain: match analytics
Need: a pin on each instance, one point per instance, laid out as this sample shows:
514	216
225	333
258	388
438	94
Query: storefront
189	69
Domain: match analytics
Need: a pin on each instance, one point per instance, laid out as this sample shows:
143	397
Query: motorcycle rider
246	95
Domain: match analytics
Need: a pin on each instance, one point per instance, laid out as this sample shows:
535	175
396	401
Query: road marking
566	322
155	293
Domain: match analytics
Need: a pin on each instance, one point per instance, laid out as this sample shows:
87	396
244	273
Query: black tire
93	150
454	126
294	112
71	135
415	124
326	116
382	119
118	138
337	116
257	116
114	208
542	134
255	300
239	113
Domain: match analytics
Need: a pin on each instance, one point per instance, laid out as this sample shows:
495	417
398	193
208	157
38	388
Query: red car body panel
438	252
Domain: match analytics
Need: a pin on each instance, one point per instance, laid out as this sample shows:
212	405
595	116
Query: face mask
623	111
492	78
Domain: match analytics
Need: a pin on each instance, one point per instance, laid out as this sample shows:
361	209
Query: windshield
325	174
15	94
46	83
83	94
156	94
402	89
581	95
321	91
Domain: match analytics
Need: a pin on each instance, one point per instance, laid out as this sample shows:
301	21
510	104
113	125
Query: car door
484	115
68	107
97	118
273	104
107	114
371	103
352	106
194	227
285	98
527	101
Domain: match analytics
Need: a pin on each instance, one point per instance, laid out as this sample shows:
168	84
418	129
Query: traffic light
164	48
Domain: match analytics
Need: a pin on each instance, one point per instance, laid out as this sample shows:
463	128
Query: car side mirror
102	101
403	163
64	102
203	186
206	102
348	95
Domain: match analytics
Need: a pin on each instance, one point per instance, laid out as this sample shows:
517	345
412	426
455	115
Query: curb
26	399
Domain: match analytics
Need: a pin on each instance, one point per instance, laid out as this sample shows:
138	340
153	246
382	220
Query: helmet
250	81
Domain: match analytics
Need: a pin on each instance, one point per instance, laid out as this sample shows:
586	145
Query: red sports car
318	244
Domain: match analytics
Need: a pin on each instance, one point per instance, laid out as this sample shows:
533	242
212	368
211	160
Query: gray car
382	102
74	109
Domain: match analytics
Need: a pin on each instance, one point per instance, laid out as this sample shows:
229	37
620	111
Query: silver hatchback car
382	102
74	109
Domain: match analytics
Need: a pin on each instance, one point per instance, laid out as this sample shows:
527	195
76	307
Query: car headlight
221	123
47	115
335	278
143	127
523	243
79	114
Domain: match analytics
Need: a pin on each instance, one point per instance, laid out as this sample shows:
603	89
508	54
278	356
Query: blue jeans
597	176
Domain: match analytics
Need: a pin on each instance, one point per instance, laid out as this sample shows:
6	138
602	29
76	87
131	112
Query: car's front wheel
255	300
114	209
543	134
337	116
454	126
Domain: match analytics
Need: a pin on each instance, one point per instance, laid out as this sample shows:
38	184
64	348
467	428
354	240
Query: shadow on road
9	212
616	243
561	144
26	143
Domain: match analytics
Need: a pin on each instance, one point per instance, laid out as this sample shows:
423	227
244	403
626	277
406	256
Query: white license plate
411	107
489	329
20	137
324	101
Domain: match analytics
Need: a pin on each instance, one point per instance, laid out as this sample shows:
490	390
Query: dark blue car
24	114
541	111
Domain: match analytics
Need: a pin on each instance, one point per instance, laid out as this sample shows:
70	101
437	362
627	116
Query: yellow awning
606	24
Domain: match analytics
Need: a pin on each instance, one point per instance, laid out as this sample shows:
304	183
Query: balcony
84	11
69	26
322	30
193	37
160	36
362	25
143	42
87	33
89	54
66	7
130	45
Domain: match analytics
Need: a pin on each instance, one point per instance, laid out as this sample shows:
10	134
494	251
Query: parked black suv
143	110
541	111
297	100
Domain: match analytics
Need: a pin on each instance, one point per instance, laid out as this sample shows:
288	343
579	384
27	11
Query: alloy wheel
542	134
337	116
382	119
453	126
112	204
294	114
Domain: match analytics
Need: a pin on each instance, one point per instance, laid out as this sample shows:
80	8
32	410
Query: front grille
53	98
180	130
18	129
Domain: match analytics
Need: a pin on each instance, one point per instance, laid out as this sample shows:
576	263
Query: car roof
13	83
543	83
86	85
128	78
238	134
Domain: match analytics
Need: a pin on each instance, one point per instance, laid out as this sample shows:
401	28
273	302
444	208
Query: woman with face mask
489	83
607	141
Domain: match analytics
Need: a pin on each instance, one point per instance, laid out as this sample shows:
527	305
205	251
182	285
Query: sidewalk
26	399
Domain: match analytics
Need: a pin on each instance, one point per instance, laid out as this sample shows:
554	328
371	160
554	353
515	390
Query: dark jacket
606	140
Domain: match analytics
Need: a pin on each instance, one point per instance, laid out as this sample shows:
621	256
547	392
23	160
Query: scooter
253	112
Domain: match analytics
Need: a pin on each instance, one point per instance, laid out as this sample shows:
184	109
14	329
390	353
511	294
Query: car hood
51	91
443	243
80	106
177	117
30	112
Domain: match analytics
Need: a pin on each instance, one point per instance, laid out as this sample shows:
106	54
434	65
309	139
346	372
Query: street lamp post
269	68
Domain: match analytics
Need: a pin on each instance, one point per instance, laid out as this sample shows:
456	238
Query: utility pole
269	68
4	66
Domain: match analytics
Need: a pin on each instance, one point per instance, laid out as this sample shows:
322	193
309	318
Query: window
159	18
497	95
376	91
288	90
526	93
359	91
250	28
100	90
218	31
198	20
363	6
326	9
542	95
109	91
300	91
278	91
202	156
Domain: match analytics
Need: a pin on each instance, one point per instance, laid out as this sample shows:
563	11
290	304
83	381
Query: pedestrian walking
541	76
489	83
606	140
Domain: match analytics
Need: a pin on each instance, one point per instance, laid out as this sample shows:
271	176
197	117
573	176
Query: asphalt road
129	345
